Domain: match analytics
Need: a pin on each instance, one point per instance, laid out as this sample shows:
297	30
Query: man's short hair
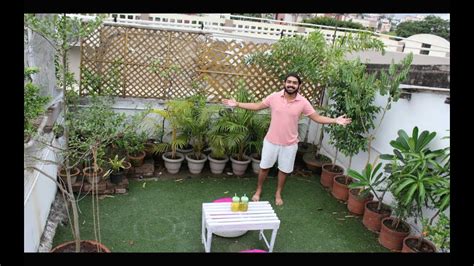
292	74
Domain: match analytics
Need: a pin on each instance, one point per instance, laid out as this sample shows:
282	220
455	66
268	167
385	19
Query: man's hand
229	102
342	120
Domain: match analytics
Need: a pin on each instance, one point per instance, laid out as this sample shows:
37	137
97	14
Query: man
281	141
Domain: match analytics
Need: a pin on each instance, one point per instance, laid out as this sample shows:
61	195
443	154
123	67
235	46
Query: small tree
353	94
313	59
388	83
60	32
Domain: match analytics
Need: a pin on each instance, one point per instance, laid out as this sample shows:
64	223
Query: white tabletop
260	215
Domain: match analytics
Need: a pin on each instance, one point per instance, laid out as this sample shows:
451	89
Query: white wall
426	110
39	193
74	57
439	46
372	57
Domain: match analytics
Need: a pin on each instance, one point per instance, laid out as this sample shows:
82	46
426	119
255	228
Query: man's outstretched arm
341	120
248	106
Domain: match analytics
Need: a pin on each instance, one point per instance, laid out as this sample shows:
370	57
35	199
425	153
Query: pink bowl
223	200
253	251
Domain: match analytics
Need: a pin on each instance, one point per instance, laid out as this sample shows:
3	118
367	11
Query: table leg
203	229
272	241
209	241
260	235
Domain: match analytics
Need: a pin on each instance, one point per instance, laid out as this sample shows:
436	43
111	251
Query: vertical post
81	51
125	52
168	65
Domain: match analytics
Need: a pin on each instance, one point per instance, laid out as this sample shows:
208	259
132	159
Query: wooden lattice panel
133	62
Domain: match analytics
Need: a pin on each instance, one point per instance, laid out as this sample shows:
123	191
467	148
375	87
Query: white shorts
286	156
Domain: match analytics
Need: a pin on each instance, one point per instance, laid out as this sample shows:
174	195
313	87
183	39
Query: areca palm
176	113
197	123
234	125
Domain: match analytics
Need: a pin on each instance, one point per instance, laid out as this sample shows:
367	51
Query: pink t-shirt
284	117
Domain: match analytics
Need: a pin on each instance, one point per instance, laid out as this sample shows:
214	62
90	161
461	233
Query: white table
217	217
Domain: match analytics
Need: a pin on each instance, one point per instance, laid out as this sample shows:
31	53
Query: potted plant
74	173
117	166
330	170
196	127
218	148
93	171
176	112
438	234
351	92
394	229
135	147
417	176
258	130
235	125
369	180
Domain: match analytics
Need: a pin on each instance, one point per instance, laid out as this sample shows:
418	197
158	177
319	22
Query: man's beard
293	92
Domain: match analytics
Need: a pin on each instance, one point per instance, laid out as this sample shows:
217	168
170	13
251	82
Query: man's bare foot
278	201
256	197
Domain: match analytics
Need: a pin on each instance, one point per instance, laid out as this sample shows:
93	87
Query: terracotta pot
328	174
392	238
373	219
355	203
410	242
74	172
137	160
89	174
340	190
87	246
126	168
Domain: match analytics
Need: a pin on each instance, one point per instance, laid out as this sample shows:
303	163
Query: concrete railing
272	30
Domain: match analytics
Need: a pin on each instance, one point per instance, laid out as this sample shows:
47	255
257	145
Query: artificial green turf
165	216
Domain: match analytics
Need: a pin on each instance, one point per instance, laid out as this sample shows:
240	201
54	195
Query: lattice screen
148	63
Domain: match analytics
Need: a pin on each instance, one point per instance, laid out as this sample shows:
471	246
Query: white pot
173	165
195	166
255	164
217	166
239	167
